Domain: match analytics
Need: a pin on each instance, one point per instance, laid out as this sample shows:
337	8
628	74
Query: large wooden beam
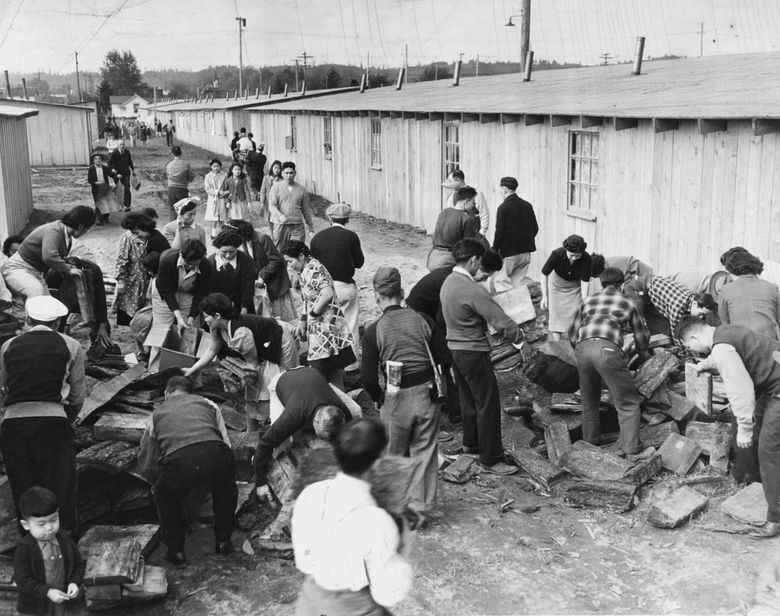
105	391
531	119
408	115
590	121
395	114
451	117
624	123
764	127
509	118
712	126
663	124
435	115
469	117
560	120
420	115
385	114
486	118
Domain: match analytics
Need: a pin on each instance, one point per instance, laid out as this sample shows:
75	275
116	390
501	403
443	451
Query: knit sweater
238	282
338	249
46	247
292	204
179	173
468	308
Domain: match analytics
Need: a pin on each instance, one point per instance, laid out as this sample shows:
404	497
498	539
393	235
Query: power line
11	25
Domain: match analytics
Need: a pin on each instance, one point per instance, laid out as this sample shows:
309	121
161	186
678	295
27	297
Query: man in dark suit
121	163
516	230
338	249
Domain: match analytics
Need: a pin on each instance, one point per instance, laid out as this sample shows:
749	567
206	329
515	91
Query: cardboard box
176	350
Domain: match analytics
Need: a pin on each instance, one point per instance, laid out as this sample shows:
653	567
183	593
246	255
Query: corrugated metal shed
722	87
16	203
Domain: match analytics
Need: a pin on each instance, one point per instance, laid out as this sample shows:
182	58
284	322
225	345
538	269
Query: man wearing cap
339	250
455	180
288	203
42	377
409	407
121	164
453	224
179	176
514	240
468	308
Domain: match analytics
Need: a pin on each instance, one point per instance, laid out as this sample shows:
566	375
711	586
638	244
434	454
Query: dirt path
540	557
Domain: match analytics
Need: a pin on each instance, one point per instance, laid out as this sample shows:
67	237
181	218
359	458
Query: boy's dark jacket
30	574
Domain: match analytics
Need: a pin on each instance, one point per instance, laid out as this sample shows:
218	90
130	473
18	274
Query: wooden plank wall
195	127
59	136
16	202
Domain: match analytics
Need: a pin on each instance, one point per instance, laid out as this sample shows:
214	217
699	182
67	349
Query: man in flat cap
457	179
288	204
338	249
407	347
42	377
516	230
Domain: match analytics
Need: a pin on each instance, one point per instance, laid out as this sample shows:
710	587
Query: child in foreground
48	568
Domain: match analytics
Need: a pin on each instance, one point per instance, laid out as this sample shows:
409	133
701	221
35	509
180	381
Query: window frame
450	146
578	160
293	133
375	143
327	137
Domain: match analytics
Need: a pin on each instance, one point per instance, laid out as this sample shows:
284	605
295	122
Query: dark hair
705	300
464	193
491	261
611	277
271	168
575	243
11	239
136	220
359	444
151	262
467	248
332	420
458	175
81	215
188	207
240	166
687	325
150	212
180	383
734	250
227	237
243	227
215	160
250	135
235	133
597	265
192	250
37	502
294	248
242	129
288	164
176	150
215	303
743	263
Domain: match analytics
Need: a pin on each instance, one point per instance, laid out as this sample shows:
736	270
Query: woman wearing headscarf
322	322
565	278
274	176
184	227
216	212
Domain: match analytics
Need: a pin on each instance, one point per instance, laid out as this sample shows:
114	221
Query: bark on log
676	508
615	496
537	467
654	372
592	462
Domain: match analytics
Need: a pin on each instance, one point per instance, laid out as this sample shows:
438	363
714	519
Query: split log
681	408
643	471
614	496
748	505
556	437
654	372
566	403
698	388
147	535
714	440
655	436
95	596
153	585
136	401
537	467
678	454
517	304
592	462
677	507
115	562
9	535
110	456
120	427
126	408
104	392
660	399
7	508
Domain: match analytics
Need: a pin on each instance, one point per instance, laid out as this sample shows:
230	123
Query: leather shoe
224	547
177	559
767	531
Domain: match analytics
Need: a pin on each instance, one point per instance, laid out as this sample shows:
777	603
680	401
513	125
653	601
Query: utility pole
605	57
241	25
296	74
701	39
477	75
406	63
304	56
525	32
78	82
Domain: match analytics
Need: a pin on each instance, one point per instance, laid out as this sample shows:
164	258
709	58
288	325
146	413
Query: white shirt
739	387
344	541
221	261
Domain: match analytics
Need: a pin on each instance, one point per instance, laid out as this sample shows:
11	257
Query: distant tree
121	73
178	89
377	81
435	70
332	78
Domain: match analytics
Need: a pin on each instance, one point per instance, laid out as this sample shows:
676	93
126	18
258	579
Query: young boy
48	568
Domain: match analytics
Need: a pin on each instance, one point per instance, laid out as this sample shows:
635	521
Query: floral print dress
131	273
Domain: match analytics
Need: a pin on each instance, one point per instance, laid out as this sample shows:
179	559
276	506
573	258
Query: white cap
45	308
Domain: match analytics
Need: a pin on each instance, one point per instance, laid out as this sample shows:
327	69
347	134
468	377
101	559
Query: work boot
499	468
767	531
177	559
224	547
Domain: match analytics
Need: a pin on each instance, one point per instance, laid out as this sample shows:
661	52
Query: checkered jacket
606	315
670	298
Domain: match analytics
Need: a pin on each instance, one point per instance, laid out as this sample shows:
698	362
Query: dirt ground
539	557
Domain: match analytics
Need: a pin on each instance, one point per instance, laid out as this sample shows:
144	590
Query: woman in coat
216	210
274	176
132	280
237	190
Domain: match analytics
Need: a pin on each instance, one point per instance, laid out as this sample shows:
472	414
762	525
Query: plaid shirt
605	315
671	299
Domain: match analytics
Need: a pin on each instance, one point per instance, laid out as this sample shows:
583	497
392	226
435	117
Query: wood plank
707	435
104	392
115	562
154	586
679	506
681	408
110	456
614	496
643	471
120	427
678	454
654	372
748	505
698	388
556	437
591	462
655	436
147	536
538	467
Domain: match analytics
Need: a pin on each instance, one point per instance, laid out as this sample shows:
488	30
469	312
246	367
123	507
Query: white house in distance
124	107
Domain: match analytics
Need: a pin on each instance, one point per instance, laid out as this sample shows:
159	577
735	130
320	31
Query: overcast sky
193	34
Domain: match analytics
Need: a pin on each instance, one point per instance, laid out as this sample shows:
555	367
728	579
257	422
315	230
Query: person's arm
358	258
547	269
574	328
498	237
201	287
149	453
641	333
190	174
275	259
169	230
167	282
76	380
486	306
369	363
24	577
533	224
439	349
92	176
264	191
584	286
52	249
290	421
274	203
215	346
739	387
723	310
220	421
209	185
247	273
130	162
389	573
484	213
306	211
123	265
